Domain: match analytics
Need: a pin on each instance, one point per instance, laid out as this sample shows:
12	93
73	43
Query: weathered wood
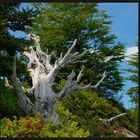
43	75
106	122
125	132
24	101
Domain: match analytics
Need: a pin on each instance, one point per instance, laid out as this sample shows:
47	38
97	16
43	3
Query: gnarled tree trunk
43	75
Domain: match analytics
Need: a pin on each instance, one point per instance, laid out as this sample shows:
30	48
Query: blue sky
124	26
125	21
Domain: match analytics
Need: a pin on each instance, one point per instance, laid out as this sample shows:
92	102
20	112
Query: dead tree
43	75
106	122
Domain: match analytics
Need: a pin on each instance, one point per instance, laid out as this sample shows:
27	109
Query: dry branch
43	75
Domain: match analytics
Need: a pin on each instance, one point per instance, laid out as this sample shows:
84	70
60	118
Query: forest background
101	39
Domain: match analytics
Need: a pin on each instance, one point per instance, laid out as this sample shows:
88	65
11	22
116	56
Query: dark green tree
133	91
60	23
13	18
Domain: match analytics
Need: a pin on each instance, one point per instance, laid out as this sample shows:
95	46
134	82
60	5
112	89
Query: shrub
131	122
35	126
9	102
23	127
89	107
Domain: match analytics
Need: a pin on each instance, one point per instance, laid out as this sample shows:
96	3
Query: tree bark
43	75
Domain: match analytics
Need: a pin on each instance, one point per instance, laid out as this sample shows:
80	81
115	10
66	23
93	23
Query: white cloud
130	51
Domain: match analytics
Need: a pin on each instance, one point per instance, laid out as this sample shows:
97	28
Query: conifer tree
133	91
58	24
13	18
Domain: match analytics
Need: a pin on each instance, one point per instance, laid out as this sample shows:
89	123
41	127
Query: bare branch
82	61
92	86
68	56
67	59
72	75
72	85
7	83
116	117
24	101
95	86
107	122
61	56
84	87
108	58
68	88
63	61
43	76
80	75
73	45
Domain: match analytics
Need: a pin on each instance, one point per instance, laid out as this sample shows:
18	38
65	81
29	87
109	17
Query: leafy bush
89	107
22	127
131	122
35	126
9	102
79	117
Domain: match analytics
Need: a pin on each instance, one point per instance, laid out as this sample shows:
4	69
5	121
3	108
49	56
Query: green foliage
131	122
89	107
35	126
90	104
58	24
22	127
79	117
133	91
109	132
8	102
117	104
13	18
68	126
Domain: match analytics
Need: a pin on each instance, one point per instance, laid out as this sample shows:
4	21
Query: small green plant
28	126
9	102
34	125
